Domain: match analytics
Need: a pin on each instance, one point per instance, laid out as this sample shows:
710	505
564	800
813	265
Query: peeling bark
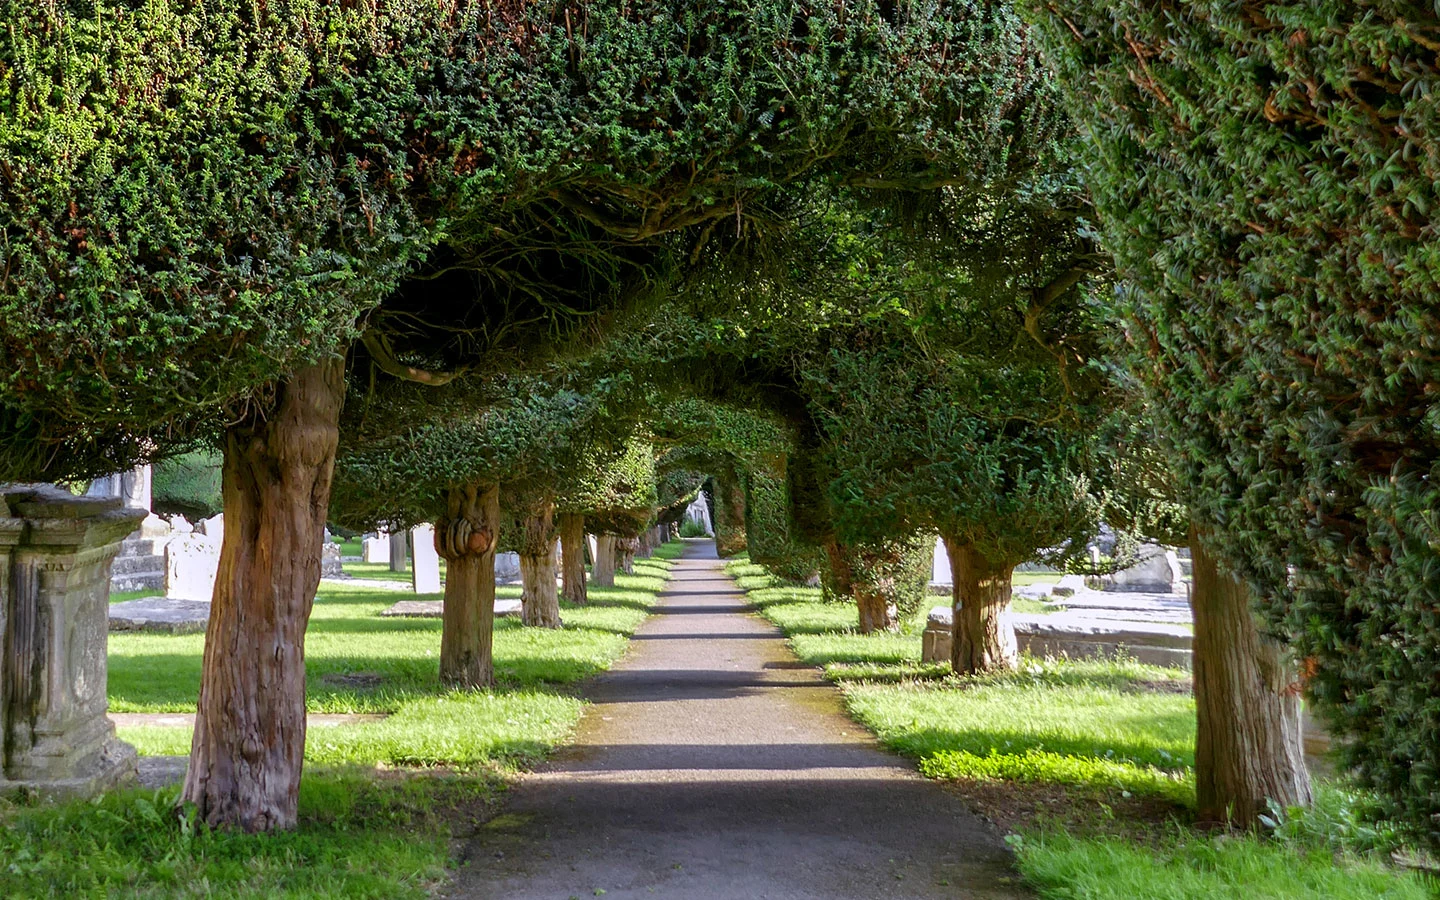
982	638
572	557
1249	745
465	537
249	742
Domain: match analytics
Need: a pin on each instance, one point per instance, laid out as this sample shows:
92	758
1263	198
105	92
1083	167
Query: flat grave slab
435	609
167	615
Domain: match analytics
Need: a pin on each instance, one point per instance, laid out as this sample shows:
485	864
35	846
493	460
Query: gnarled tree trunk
604	574
572	556
249	741
981	637
1249	747
465	538
839	579
729	515
646	542
625	550
539	598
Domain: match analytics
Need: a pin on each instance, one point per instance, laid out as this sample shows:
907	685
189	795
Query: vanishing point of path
713	765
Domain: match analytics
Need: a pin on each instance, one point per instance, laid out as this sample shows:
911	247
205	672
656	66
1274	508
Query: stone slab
1074	636
435	609
167	615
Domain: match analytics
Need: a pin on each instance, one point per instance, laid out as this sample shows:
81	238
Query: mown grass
1098	735
378	802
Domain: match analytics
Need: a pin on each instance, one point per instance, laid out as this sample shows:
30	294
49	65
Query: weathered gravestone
1156	571
399	550
191	562
426	576
55	556
507	566
375	548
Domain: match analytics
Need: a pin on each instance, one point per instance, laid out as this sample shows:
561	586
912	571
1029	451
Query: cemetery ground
381	798
1086	765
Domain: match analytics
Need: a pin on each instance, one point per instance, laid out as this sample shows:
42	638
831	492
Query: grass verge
379	802
1089	764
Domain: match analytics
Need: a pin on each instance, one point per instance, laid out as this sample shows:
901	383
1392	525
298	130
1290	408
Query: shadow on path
710	766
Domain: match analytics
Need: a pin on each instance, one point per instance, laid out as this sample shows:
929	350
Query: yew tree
204	209
1265	175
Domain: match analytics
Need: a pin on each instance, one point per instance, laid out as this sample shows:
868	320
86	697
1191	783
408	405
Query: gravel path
713	765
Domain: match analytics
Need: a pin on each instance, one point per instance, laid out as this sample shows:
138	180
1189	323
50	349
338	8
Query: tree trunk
729	515
572	556
539	599
1249	747
604	574
625	549
643	543
249	741
839	580
465	539
399	550
981	637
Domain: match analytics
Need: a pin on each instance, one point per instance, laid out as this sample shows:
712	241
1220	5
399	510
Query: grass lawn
1088	763
379	802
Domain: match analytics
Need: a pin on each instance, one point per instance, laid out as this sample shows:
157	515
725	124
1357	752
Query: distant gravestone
426	576
375	548
507	566
213	527
331	566
399	550
1156	571
191	562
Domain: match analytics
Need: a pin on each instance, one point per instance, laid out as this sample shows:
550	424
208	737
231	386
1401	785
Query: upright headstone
375	548
940	574
426	576
399	550
55	556
191	563
507	566
331	565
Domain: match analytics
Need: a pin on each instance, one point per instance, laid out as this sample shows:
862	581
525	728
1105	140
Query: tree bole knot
462	537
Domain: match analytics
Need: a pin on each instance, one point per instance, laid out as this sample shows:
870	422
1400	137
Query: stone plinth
57	550
1075	637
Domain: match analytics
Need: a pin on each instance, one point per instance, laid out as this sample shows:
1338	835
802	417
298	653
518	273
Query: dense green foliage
188	484
1266	175
199	198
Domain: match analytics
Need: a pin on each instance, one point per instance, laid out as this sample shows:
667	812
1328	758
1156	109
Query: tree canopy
1266	175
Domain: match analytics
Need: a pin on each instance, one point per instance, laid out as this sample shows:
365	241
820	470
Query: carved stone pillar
54	613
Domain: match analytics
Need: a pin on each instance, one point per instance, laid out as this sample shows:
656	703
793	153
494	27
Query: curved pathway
713	765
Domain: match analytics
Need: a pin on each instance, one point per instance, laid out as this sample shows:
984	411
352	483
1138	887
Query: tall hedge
1266	177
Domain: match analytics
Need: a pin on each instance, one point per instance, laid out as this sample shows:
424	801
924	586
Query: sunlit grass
1105	728
378	800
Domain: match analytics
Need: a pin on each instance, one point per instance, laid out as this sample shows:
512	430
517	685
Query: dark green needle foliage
197	198
1266	177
